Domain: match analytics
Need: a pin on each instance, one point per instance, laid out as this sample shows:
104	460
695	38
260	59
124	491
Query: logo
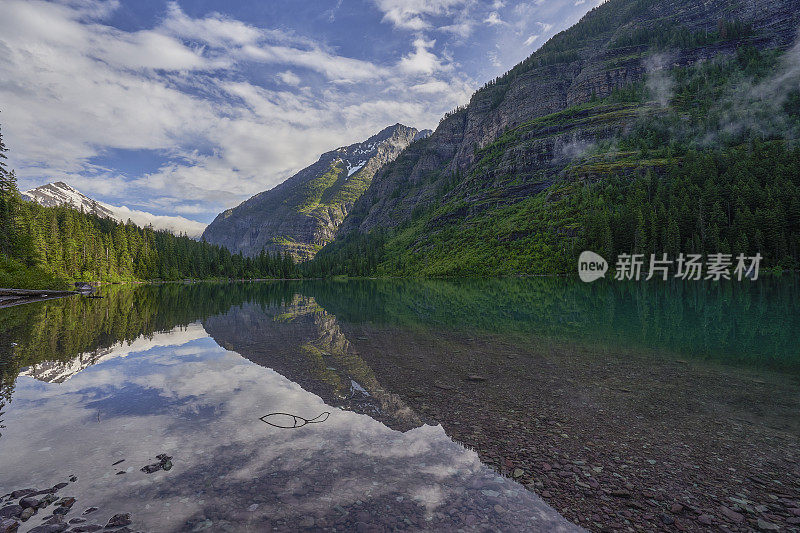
591	266
715	267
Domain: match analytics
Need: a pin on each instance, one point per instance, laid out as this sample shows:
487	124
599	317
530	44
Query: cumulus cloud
421	60
74	87
494	19
229	108
289	78
416	14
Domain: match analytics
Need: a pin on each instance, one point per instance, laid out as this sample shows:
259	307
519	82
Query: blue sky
187	108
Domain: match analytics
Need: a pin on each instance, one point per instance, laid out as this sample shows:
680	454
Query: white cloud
545	27
414	14
289	78
494	19
530	40
175	224
421	60
73	87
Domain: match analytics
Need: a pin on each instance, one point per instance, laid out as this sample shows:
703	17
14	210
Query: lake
517	405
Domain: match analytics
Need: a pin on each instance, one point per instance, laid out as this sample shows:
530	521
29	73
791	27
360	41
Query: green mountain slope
648	126
302	214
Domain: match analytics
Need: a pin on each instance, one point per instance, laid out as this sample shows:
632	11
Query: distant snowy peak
60	194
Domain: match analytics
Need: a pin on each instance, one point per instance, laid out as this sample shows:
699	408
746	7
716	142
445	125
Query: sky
187	108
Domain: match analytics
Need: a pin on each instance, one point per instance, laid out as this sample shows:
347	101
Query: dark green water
750	324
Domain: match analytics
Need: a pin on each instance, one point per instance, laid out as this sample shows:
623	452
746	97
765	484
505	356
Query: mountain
59	193
633	130
302	214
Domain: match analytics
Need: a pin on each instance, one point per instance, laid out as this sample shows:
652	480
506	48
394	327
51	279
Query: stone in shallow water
27	513
88	528
8	525
49	528
763	525
29	501
10	511
119	520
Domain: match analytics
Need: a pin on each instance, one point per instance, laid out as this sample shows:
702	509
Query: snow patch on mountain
353	170
61	194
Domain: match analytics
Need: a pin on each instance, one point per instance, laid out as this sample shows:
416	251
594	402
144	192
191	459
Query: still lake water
421	381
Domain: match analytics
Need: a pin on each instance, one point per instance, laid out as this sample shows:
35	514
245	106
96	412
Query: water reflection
181	394
527	372
305	343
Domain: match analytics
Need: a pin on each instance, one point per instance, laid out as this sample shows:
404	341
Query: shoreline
12	297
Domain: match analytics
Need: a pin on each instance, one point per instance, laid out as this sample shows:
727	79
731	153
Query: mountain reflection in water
188	369
179	392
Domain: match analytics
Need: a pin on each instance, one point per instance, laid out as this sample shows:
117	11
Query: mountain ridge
499	168
301	214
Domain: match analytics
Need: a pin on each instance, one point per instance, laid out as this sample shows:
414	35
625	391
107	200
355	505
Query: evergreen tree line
740	200
71	244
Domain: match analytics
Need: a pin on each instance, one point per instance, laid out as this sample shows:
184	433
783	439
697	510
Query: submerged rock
164	463
8	525
10	511
29	501
88	528
47	500
763	525
49	528
119	520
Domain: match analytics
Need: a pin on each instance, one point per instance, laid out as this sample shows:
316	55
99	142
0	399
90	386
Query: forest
716	169
49	247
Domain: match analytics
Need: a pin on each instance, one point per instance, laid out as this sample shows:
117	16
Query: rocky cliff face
613	46
302	214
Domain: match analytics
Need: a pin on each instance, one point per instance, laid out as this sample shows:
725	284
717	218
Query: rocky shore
10	297
48	512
